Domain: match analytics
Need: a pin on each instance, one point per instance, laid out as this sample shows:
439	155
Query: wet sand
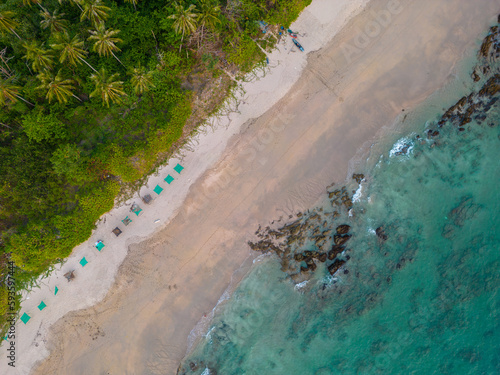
278	165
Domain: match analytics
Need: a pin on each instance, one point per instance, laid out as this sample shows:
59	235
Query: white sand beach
131	309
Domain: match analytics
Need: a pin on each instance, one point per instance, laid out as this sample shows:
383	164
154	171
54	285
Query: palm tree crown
184	19
57	87
53	21
104	41
94	11
133	2
71	50
8	92
41	58
29	2
8	23
107	87
142	80
209	14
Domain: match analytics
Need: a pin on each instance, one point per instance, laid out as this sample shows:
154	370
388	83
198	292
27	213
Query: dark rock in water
304	269
461	129
311	265
308	253
381	233
334	194
299	257
432	133
358	177
322	257
491	87
343	229
485	47
336	249
466	210
334	267
346	272
340	240
193	366
476	77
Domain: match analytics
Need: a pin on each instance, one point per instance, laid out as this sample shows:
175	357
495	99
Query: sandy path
280	163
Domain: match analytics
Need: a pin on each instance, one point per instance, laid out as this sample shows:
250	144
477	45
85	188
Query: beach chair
178	168
147	199
158	189
126	221
99	245
25	318
117	231
70	275
169	179
135	209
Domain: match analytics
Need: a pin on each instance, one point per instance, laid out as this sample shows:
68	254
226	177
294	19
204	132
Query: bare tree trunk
24	100
90	66
15	33
182	38
117	59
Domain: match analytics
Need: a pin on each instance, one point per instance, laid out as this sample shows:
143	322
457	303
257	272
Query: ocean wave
403	146
301	285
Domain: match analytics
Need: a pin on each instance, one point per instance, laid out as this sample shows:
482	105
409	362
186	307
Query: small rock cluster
310	240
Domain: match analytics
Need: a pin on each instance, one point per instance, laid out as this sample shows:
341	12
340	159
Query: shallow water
423	301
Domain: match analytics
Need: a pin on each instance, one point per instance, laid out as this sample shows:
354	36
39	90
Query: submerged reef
309	240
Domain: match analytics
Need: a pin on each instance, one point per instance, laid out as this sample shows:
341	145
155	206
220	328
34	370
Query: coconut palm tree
107	87
41	58
30	2
209	15
8	23
57	87
94	11
71	50
142	80
184	20
53	21
77	2
9	93
104	41
133	2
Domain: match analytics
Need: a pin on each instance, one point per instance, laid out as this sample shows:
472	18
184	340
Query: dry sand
278	164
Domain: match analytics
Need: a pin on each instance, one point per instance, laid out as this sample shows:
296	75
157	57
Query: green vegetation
94	94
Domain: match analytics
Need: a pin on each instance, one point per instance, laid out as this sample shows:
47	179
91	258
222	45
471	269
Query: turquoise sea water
423	301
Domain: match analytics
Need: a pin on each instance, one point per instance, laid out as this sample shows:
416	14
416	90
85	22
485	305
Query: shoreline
225	238
166	294
97	278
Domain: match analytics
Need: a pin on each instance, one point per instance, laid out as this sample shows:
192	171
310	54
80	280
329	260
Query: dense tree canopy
93	94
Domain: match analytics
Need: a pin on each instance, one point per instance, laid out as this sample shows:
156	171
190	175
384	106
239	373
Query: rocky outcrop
343	229
334	267
302	244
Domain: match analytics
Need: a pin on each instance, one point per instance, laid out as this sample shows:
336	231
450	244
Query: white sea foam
301	285
358	194
261	257
403	143
206	371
